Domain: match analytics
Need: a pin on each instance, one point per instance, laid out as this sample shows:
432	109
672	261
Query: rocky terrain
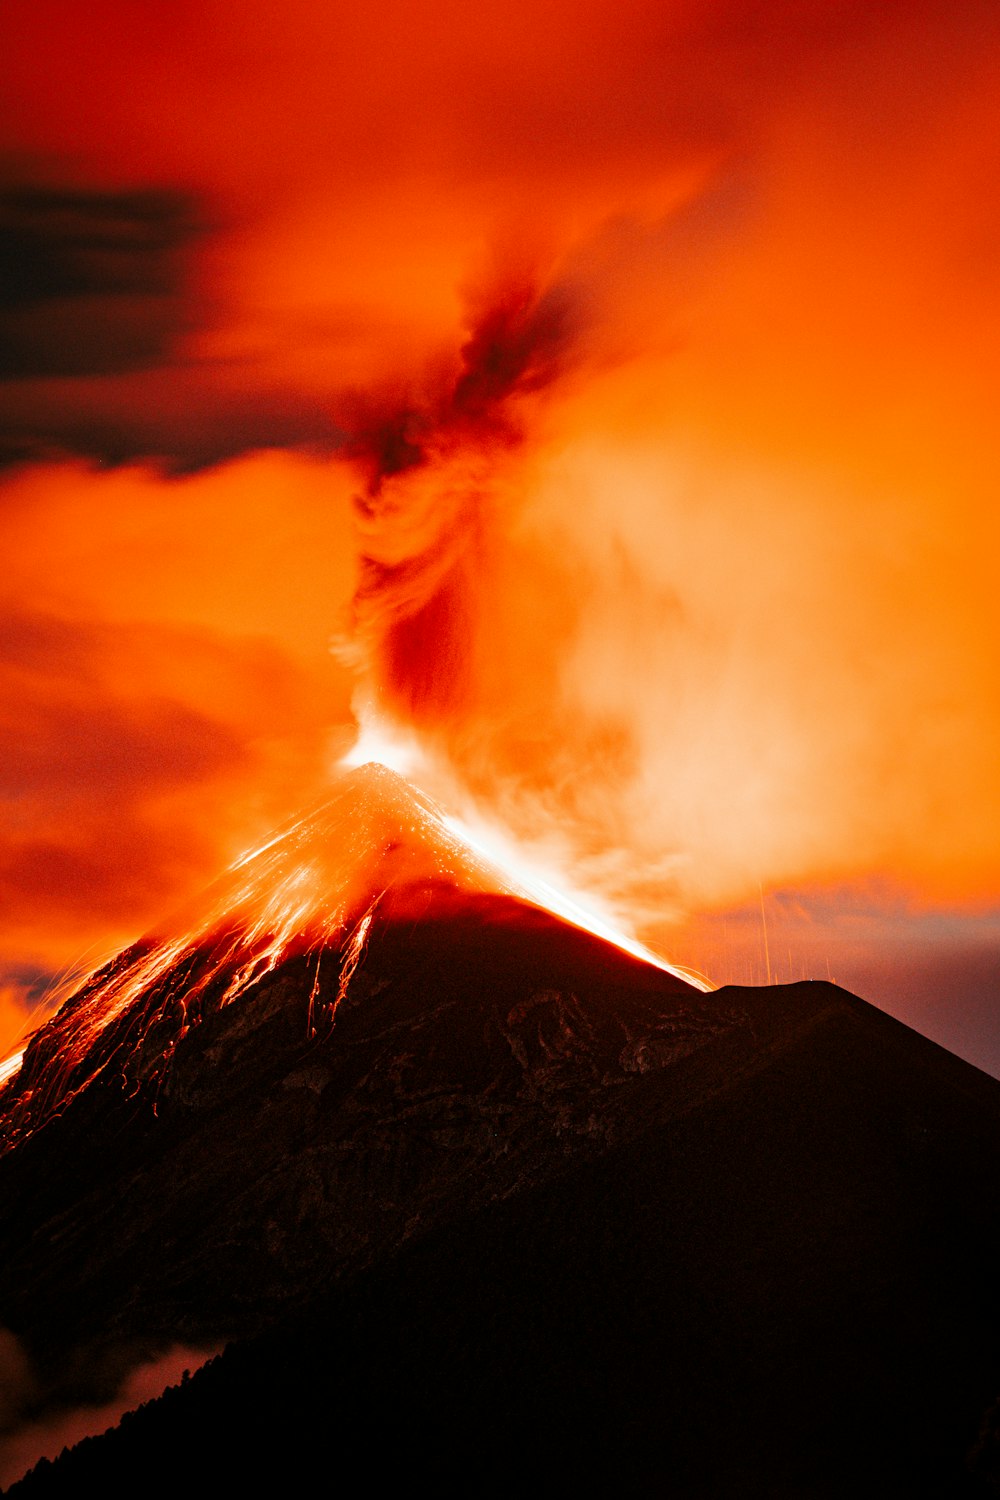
521	1205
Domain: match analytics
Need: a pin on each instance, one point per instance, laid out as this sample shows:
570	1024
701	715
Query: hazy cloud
93	282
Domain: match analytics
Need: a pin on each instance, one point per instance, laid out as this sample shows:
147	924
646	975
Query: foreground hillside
592	1229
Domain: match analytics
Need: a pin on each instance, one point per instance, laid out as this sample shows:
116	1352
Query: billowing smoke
483	624
461	623
609	593
427	516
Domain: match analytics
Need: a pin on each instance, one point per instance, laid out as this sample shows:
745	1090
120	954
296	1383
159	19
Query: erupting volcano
310	892
525	474
430	1158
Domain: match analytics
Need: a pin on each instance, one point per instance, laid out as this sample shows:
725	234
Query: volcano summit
311	888
441	1167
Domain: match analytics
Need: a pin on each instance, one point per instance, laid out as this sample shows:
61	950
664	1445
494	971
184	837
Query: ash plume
472	604
426	513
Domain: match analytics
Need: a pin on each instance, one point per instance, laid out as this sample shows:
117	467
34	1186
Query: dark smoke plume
425	514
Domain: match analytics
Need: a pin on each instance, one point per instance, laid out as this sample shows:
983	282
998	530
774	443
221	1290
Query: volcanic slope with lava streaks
311	890
521	1173
196	1093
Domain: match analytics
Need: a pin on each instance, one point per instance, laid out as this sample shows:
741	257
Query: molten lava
312	889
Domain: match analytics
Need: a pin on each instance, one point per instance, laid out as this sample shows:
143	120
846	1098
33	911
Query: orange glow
611	385
299	894
27	1442
537	869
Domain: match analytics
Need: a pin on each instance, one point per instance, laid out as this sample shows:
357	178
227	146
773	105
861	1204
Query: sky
601	396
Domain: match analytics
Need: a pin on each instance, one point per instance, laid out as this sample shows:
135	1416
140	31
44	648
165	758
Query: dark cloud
18	1387
107	747
414	611
91	282
86	875
182	418
61	243
517	342
430	514
39	1419
98	291
34	642
60	721
166	693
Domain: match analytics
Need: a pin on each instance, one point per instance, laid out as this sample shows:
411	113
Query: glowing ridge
540	891
399	748
296	894
312	887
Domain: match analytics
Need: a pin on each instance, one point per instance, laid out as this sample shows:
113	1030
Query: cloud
92	281
167	691
18	1387
100	306
83	771
119	795
184	418
33	1426
215	223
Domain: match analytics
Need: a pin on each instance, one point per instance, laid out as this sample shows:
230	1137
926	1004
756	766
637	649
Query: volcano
474	1197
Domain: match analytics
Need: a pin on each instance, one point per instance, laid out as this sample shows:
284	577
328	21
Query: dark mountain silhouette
481	1201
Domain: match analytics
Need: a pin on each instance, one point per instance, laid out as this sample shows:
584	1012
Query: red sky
706	601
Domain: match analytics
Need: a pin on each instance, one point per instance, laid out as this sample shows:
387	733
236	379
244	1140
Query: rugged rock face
194	1154
523	1202
472	1055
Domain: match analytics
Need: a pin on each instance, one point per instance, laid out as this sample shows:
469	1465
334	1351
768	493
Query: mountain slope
778	1280
484	1184
377	840
352	1036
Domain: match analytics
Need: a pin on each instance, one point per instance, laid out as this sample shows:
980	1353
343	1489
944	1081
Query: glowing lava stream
312	888
542	893
385	745
10	1065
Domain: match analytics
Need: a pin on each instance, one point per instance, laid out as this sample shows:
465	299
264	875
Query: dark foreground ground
615	1236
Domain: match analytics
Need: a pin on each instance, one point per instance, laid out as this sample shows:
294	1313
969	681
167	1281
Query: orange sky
707	592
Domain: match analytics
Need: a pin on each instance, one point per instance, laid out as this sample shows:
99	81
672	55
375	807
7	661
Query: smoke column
427	517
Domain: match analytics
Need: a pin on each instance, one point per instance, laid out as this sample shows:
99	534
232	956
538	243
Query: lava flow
311	889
